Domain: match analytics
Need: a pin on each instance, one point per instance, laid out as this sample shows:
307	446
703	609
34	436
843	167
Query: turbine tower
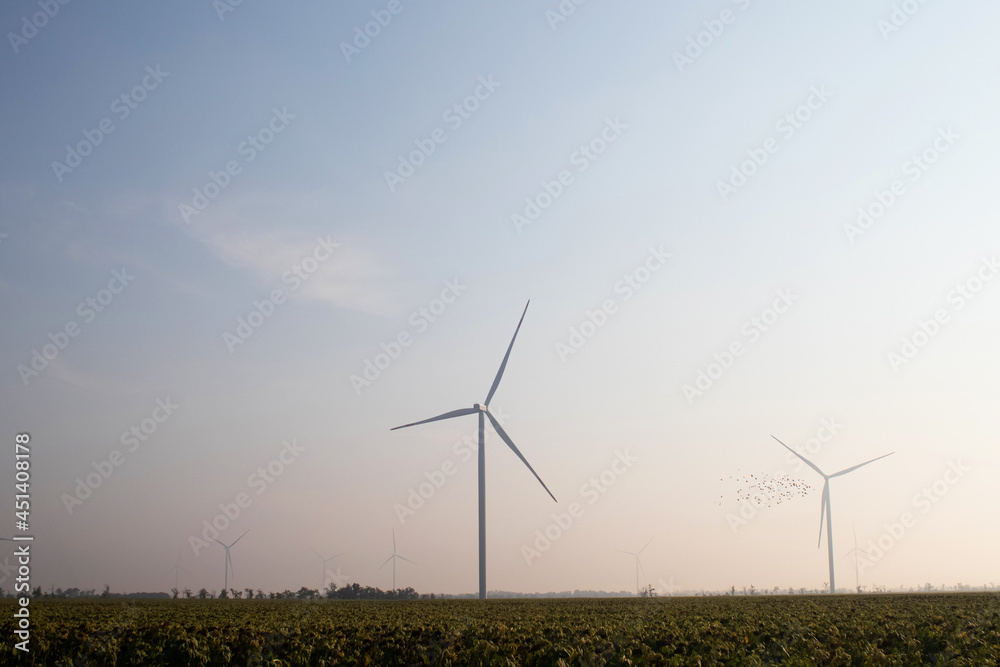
229	561
325	561
638	565
393	558
825	503
484	413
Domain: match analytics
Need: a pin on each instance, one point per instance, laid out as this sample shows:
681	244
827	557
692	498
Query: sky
241	241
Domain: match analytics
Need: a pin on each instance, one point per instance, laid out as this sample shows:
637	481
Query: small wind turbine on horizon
856	551
393	558
484	413
638	564
325	561
825	503
229	560
177	569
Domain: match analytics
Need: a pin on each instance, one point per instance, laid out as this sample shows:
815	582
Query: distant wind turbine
325	561
177	569
856	551
229	560
825	503
484	413
393	558
638	564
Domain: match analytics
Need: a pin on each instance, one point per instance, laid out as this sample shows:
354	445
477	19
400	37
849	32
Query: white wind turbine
825	503
325	561
229	561
638	564
856	551
484	413
393	558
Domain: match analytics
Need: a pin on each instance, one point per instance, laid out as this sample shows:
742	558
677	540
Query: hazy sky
733	220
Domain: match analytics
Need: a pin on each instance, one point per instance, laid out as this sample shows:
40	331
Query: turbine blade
503	365
386	562
240	537
644	547
847	470
807	461
220	543
406	559
510	443
229	561
318	554
822	511
641	568
447	415
337	556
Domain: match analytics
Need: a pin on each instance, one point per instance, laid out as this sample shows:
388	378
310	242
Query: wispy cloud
269	234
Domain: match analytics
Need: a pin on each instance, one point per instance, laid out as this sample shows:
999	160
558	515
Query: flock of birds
767	490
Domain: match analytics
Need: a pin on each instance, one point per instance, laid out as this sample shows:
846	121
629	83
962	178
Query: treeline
349	592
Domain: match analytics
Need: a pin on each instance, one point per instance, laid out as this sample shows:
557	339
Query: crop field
904	629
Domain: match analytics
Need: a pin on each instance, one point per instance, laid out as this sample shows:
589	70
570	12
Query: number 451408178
21	453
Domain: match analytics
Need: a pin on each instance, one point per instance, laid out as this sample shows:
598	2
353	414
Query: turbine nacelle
479	407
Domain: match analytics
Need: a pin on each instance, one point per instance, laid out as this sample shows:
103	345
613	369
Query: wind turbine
638	565
856	551
325	561
825	504
177	569
229	561
393	558
484	413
